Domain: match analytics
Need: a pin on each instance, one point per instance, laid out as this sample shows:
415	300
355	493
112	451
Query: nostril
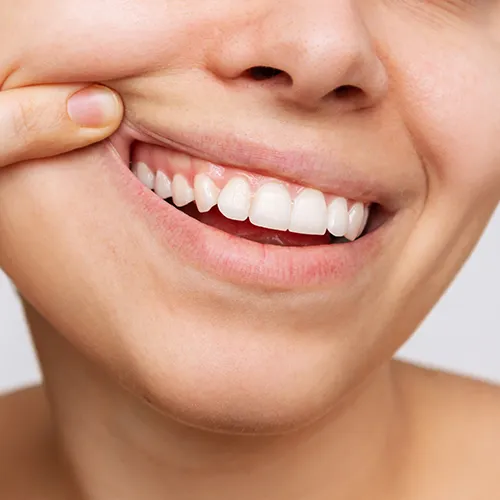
259	73
347	91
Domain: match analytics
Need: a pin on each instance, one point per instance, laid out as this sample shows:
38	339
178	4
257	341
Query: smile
249	227
215	195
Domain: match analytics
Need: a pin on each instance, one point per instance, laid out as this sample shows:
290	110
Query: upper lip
305	165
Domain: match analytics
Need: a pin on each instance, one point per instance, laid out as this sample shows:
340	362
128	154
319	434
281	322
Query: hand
47	120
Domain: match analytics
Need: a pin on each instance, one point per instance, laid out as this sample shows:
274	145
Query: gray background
462	334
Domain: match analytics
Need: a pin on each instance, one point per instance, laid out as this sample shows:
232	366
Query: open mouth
253	207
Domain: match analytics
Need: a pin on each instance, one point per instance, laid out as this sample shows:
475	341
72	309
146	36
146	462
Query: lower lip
244	262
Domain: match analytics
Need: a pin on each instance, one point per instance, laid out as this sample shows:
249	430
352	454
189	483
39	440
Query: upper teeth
145	175
163	186
235	199
309	212
206	193
271	206
182	192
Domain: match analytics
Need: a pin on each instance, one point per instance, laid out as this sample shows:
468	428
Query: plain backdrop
461	335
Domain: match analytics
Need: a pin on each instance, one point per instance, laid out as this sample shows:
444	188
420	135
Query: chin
188	317
235	382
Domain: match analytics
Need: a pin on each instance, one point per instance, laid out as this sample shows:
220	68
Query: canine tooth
338	217
182	192
356	217
206	193
234	199
163	186
144	174
271	207
309	213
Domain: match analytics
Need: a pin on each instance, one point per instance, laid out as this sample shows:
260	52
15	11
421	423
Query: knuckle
21	131
24	120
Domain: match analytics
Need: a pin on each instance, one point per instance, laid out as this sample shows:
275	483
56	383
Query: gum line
172	162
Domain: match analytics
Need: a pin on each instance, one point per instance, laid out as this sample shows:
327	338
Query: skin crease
163	379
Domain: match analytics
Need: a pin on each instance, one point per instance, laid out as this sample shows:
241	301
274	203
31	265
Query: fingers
46	120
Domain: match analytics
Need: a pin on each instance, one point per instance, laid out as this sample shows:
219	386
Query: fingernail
94	107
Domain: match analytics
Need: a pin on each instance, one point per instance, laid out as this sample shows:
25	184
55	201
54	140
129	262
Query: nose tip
308	57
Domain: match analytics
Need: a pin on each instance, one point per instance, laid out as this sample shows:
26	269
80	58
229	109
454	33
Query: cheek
87	41
444	84
452	109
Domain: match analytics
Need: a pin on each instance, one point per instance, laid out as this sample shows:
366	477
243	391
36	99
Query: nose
306	52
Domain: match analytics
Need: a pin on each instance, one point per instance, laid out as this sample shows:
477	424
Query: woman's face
392	103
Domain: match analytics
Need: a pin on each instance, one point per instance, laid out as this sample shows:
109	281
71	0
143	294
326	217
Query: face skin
422	124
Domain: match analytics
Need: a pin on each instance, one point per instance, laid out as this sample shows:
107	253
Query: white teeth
309	214
163	186
182	192
271	207
234	199
356	218
338	217
206	193
144	174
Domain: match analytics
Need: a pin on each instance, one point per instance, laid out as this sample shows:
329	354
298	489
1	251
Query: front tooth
234	199
163	186
271	207
144	174
206	193
182	192
338	217
356	218
309	214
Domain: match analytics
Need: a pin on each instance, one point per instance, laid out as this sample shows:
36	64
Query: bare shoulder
457	421
24	443
23	417
468	397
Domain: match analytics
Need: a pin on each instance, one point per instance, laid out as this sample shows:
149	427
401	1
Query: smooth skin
165	381
47	120
38	122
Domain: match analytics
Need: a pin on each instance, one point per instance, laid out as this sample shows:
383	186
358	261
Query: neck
117	446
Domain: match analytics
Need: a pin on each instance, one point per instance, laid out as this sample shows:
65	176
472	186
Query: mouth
258	208
250	227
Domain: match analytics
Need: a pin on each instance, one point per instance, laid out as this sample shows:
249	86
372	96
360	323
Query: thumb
47	120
